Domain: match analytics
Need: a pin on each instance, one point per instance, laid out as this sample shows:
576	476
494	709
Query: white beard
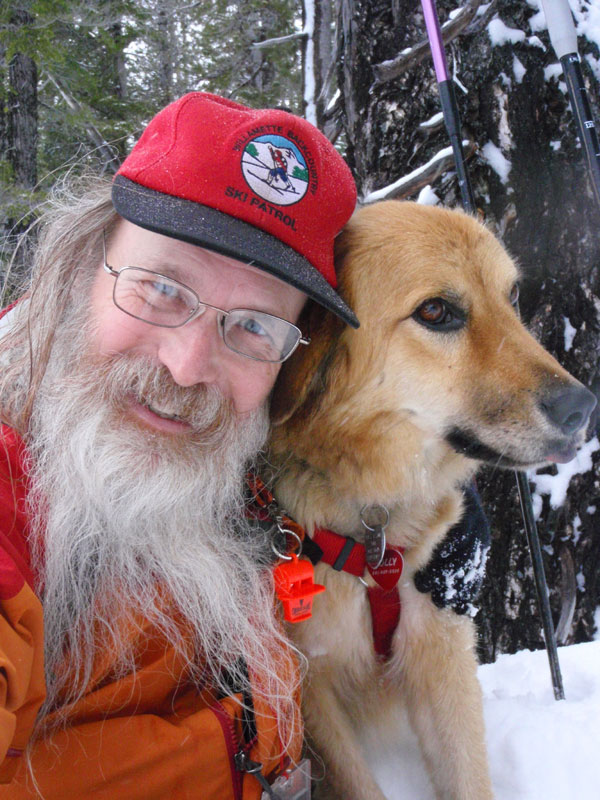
123	517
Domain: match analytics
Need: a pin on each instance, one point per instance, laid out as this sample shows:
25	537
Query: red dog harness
343	553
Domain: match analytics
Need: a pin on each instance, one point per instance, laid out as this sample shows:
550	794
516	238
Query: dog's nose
569	409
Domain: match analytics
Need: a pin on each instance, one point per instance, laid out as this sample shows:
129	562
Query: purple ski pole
452	122
448	102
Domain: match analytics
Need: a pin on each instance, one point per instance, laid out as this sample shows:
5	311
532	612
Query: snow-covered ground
539	749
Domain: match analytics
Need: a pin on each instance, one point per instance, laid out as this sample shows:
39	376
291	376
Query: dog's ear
302	375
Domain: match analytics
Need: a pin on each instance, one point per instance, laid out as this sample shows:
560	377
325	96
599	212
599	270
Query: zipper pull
243	763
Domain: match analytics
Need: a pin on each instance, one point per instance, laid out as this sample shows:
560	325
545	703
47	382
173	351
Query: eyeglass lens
165	302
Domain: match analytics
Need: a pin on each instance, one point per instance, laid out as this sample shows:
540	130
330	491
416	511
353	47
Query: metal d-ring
285	531
383	525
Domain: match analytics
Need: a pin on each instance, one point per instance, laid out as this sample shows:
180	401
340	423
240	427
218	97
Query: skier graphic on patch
279	171
276	169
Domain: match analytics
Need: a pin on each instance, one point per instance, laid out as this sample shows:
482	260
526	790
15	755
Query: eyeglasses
167	303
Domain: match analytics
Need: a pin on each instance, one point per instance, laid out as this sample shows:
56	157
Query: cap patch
275	169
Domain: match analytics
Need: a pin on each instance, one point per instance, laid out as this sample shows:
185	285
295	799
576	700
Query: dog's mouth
469	445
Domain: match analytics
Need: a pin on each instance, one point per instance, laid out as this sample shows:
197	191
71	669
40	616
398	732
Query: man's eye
165	289
252	325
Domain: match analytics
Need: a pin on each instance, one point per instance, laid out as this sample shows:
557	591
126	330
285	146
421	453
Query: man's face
194	354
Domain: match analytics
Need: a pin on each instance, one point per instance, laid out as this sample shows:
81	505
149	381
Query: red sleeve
22	686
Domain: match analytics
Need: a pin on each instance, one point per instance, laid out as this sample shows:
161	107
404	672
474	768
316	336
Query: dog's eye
514	294
439	315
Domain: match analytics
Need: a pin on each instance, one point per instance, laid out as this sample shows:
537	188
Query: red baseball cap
262	186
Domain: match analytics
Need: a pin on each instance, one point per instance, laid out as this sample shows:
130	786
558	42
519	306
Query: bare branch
278	40
387	70
111	161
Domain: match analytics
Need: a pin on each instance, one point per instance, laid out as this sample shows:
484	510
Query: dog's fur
395	413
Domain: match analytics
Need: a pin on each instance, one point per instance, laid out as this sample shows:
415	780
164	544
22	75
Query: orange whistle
295	587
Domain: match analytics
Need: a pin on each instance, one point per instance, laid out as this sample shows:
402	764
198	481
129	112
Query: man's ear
303	374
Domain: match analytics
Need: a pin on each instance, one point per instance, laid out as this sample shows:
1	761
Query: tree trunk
18	145
23	120
530	184
164	34
318	59
3	121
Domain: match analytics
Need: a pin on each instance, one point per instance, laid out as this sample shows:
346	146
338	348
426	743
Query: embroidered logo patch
275	169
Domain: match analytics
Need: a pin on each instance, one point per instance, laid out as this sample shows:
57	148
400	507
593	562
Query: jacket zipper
232	744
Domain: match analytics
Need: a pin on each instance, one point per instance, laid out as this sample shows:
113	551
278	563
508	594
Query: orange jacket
144	736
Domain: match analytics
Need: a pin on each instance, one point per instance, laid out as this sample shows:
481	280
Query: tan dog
441	372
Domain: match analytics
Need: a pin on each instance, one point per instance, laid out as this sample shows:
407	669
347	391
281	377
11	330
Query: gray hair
69	244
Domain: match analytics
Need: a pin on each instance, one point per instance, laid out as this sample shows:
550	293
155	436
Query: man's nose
193	353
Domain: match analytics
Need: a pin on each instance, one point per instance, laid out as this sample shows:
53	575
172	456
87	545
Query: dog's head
441	362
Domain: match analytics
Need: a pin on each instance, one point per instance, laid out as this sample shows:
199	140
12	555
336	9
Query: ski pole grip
560	26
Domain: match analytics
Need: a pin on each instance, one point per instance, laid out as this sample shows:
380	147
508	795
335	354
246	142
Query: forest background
80	78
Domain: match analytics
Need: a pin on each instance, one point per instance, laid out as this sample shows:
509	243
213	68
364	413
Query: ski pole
452	122
448	102
564	41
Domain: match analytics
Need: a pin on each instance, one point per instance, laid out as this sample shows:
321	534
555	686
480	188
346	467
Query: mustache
122	378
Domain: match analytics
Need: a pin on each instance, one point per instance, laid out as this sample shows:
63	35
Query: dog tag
387	574
374	546
293	784
374	519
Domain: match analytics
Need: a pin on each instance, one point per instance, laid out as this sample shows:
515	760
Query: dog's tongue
387	574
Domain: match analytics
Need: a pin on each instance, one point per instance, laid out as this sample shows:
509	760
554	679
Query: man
135	372
136	369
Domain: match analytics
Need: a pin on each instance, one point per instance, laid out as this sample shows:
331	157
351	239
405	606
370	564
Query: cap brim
215	230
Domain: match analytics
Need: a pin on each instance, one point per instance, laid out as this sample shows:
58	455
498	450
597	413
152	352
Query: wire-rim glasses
163	301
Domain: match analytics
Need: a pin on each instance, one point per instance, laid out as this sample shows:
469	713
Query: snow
570	332
539	749
553	71
500	33
594	65
518	69
535	41
576	529
497	160
427	196
433	121
587	19
537	22
556	485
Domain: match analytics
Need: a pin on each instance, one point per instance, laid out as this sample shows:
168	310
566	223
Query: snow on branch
279	40
388	70
427	173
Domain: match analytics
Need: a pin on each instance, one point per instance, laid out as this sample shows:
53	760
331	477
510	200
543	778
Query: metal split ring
382	525
285	531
